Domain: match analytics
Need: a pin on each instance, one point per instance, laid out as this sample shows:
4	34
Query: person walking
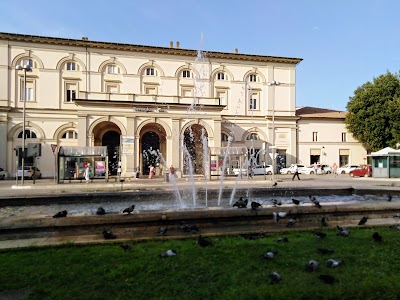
152	172
137	173
296	172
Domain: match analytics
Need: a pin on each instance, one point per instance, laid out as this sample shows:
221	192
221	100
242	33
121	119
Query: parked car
2	173
326	169
30	172
290	170
257	170
261	170
308	170
347	169
362	171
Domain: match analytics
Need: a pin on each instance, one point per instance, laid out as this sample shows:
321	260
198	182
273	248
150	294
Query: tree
374	112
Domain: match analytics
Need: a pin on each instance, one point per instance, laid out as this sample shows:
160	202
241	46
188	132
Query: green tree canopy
374	112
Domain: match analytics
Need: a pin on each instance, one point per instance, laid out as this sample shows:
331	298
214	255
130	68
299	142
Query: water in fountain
222	176
205	161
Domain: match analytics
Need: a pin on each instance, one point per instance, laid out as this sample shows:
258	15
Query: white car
2	174
325	169
261	170
290	170
308	170
347	168
257	170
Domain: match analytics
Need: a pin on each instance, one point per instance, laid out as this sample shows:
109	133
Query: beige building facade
323	137
147	105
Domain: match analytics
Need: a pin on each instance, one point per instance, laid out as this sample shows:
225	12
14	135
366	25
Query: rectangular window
344	137
187	92
30	92
71	66
186	74
151	90
112	89
70	95
315	136
222	95
253	104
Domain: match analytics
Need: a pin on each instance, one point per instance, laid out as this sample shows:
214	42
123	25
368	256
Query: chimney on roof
171	44
177	44
236	50
84	38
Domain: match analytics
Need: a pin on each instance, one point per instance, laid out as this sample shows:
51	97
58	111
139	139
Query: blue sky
344	43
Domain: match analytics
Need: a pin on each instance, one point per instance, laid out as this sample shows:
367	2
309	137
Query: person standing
315	168
334	169
296	172
152	172
171	172
137	173
87	173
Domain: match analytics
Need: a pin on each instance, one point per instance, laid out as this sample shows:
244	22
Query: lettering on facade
148	109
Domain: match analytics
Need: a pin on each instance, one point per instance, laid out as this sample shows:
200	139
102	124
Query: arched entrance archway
194	154
152	147
108	134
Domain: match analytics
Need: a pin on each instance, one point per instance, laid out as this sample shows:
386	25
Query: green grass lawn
231	269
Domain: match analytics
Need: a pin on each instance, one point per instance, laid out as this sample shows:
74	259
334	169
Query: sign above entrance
128	144
148	109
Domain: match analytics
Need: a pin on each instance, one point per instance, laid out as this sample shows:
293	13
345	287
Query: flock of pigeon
275	277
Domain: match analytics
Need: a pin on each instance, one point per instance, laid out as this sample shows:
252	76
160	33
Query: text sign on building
128	144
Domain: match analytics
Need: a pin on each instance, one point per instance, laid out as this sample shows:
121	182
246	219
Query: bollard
166	177
122	183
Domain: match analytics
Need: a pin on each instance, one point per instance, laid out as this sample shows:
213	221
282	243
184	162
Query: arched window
150	72
224	137
29	134
253	78
71	66
112	69
70	134
221	76
186	74
252	136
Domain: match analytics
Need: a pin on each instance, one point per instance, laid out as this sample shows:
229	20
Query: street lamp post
26	68
273	83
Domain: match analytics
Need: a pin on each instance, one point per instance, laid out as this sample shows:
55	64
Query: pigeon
331	263
188	228
129	209
324	222
61	214
100	211
241	203
315	201
168	253
255	205
377	237
270	254
343	231
291	222
282	240
312	265
363	221
203	242
278	215
329	279
275	184
296	202
389	197
320	235
126	247
276	202
325	251
108	235
275	277
162	231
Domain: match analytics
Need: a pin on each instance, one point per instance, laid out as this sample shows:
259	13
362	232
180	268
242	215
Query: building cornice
142	48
